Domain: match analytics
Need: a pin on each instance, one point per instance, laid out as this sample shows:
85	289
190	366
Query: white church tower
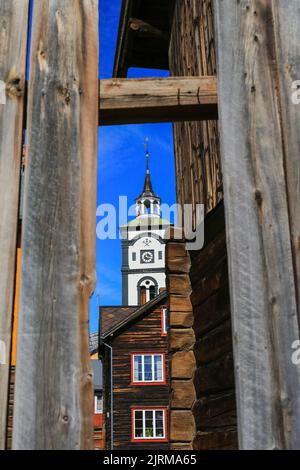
143	248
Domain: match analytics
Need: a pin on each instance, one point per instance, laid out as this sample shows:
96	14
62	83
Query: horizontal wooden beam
146	30
150	100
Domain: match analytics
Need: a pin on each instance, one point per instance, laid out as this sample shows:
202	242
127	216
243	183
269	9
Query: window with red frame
149	424
148	369
164	322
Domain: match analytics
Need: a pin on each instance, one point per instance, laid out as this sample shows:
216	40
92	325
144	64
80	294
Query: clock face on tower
147	256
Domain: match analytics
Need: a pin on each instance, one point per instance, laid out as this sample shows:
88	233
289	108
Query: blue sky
121	165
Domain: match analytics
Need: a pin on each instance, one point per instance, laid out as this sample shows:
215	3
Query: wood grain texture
216	440
255	138
134	101
54	389
214	412
13	42
287	31
192	54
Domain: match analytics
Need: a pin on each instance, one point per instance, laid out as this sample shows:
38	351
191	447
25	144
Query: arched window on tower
147	290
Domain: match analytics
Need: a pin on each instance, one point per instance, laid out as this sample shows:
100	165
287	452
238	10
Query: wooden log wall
192	53
13	45
258	61
54	386
215	407
181	342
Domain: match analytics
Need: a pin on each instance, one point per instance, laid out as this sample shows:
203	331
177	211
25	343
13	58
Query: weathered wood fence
258	60
53	400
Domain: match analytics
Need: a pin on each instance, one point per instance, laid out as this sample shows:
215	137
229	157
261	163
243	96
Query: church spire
148	200
148	188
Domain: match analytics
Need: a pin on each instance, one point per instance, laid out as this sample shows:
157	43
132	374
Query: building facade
134	347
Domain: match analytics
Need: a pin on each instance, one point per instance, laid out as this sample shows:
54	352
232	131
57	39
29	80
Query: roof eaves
140	311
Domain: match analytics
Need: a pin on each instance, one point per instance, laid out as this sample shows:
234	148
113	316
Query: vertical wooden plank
192	54
54	390
286	17
263	293
13	41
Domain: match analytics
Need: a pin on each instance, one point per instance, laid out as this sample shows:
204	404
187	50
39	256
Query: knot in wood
15	87
85	282
258	197
65	93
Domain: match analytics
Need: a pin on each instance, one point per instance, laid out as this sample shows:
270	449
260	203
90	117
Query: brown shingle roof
111	316
114	318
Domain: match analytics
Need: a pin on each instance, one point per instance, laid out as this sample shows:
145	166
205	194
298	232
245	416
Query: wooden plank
287	43
13	26
215	411
215	377
254	161
216	441
133	101
197	156
54	389
214	345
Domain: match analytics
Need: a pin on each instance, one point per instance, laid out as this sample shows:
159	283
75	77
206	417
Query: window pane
149	432
137	377
149	415
138	415
149	424
139	432
148	368
158	373
138	424
159	423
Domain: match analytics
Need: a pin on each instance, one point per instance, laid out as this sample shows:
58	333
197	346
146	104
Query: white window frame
144	437
96	411
153	355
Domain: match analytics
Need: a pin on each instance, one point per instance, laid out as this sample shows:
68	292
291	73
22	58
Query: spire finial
147	154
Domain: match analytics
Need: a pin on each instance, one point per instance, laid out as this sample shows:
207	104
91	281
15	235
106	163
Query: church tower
143	248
